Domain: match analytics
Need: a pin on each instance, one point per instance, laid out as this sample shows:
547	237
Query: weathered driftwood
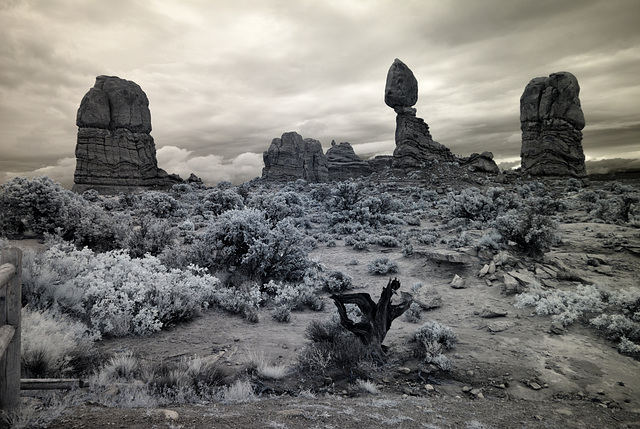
376	317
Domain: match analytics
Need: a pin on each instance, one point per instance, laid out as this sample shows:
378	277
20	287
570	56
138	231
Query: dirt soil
507	372
511	371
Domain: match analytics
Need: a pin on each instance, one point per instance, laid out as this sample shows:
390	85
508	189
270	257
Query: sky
224	77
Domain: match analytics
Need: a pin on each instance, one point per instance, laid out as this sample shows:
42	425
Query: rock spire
115	151
551	121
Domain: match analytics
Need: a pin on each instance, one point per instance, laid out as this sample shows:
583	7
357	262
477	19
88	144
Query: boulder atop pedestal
115	151
414	144
291	158
401	89
551	120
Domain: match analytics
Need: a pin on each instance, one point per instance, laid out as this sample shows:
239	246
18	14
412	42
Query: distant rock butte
291	157
551	121
115	151
344	163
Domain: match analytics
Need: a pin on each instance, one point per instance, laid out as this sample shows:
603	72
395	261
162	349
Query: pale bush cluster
382	266
115	294
616	314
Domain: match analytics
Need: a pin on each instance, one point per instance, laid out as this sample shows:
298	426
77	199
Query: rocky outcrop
551	121
414	144
291	157
344	163
482	162
115	151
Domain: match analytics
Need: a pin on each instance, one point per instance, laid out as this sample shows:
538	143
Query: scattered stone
525	277
551	121
477	393
164	413
429	388
511	285
604	269
466	389
504	258
499	326
428	298
115	151
404	370
556	328
534	385
447	255
489	313
291	157
484	271
458	282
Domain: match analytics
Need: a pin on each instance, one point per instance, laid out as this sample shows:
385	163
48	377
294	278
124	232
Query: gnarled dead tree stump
376	317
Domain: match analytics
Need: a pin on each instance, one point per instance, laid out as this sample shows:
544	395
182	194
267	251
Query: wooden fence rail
10	309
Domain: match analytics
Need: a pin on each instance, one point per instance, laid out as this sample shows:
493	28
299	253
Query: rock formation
551	121
414	144
344	163
291	157
482	162
115	151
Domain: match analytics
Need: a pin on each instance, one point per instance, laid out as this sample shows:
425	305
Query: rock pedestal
551	121
414	144
115	151
291	157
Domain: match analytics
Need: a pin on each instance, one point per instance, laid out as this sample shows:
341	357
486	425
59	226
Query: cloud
224	78
211	168
61	172
606	166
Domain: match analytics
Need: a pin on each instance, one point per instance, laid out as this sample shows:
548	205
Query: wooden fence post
10	310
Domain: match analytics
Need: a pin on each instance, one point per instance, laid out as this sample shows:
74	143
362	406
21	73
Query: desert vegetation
132	265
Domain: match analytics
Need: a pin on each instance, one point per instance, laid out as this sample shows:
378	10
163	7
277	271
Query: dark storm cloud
224	78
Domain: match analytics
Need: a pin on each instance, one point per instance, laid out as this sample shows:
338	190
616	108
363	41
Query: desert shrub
239	391
565	307
432	338
53	345
386	241
535	233
296	296
332	347
157	204
282	314
279	206
473	204
245	241
428	236
382	266
407	250
218	201
345	195
413	313
117	295
492	240
629	348
617	208
617	326
144	235
573	185
336	281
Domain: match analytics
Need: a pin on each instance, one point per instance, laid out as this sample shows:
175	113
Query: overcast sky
225	77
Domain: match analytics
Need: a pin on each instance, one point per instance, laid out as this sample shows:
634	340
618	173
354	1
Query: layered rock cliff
115	151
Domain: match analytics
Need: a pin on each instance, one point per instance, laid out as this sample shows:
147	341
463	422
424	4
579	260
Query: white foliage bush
118	295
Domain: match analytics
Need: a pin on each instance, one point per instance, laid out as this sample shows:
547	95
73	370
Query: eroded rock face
480	162
344	163
291	157
414	144
115	151
551	121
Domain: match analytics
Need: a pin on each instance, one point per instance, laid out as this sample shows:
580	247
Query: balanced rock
401	90
291	158
551	121
414	144
115	151
344	163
